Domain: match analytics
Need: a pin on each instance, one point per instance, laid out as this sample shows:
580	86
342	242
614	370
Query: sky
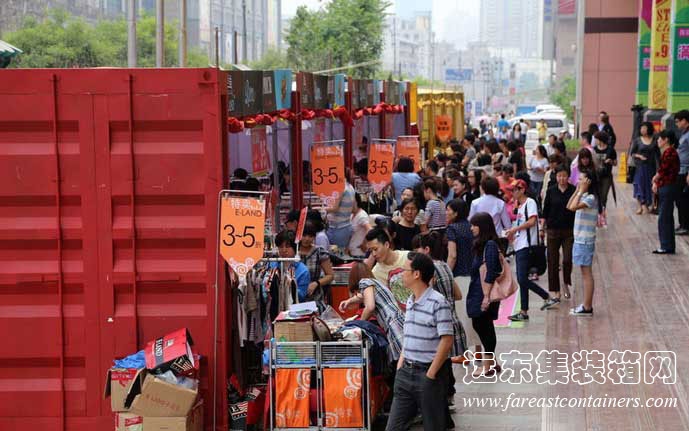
455	21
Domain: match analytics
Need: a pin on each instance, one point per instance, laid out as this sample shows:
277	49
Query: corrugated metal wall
76	294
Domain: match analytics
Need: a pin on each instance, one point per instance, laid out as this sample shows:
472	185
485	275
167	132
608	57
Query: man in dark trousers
682	122
421	381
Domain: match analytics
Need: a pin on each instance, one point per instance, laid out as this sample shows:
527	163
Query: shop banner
252	102
283	89
402	88
679	75
363	93
235	94
413	108
305	88
380	161
292	397
370	92
242	226
327	172
443	128
408	146
644	53
377	88
260	159
392	93
354	91
320	91
336	91
660	59
268	91
343	398
319	133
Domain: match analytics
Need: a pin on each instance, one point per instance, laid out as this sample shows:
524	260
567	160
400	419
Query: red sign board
260	159
443	127
381	158
408	146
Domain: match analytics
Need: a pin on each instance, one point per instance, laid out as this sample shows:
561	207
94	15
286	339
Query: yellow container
432	103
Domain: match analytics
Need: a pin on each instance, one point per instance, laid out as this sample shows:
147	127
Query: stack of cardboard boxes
163	396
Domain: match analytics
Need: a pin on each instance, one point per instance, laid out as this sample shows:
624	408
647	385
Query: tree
344	32
564	95
61	41
272	59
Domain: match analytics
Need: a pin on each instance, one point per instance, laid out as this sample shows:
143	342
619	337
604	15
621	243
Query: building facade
608	64
512	24
407	45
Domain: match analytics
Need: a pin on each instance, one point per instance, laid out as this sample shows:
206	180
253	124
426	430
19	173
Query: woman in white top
360	227
537	167
491	203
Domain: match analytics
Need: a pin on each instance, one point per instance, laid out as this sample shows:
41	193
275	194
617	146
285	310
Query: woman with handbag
529	253
486	268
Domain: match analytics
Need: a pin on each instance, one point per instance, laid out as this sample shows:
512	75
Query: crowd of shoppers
427	270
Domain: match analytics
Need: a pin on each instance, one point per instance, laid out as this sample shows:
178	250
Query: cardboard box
171	352
152	396
128	422
117	385
192	422
286	329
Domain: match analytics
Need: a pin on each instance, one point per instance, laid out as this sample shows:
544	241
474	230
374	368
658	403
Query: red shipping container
109	180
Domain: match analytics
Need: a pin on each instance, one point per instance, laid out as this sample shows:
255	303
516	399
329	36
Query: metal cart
317	357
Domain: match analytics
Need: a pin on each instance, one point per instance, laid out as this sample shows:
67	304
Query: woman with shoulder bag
524	235
479	306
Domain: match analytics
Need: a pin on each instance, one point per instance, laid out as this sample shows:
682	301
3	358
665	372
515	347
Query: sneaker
581	311
681	231
550	302
519	317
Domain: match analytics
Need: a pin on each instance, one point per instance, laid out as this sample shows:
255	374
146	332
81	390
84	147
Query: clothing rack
221	194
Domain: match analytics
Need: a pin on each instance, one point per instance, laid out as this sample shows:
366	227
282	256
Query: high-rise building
407	46
511	24
566	39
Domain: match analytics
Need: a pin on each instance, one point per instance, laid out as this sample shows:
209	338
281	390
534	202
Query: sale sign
260	159
327	172
408	146
380	159
242	227
443	127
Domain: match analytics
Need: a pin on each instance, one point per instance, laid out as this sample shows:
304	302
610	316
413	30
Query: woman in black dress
646	154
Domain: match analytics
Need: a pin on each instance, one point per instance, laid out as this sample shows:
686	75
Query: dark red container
108	209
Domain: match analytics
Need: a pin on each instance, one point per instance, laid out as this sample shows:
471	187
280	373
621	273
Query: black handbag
538	262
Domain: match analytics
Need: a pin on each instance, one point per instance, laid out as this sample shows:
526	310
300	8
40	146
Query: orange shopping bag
342	391
292	390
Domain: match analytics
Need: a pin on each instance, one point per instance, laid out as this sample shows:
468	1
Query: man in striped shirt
421	381
586	205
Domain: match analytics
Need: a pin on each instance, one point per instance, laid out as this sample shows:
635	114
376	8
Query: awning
7	51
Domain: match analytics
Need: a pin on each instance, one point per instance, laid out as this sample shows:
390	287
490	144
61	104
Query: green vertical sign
644	53
678	97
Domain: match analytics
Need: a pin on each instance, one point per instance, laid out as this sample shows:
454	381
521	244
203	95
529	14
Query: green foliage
62	41
272	59
564	95
343	32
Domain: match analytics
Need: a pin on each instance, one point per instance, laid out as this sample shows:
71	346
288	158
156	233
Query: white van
556	122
